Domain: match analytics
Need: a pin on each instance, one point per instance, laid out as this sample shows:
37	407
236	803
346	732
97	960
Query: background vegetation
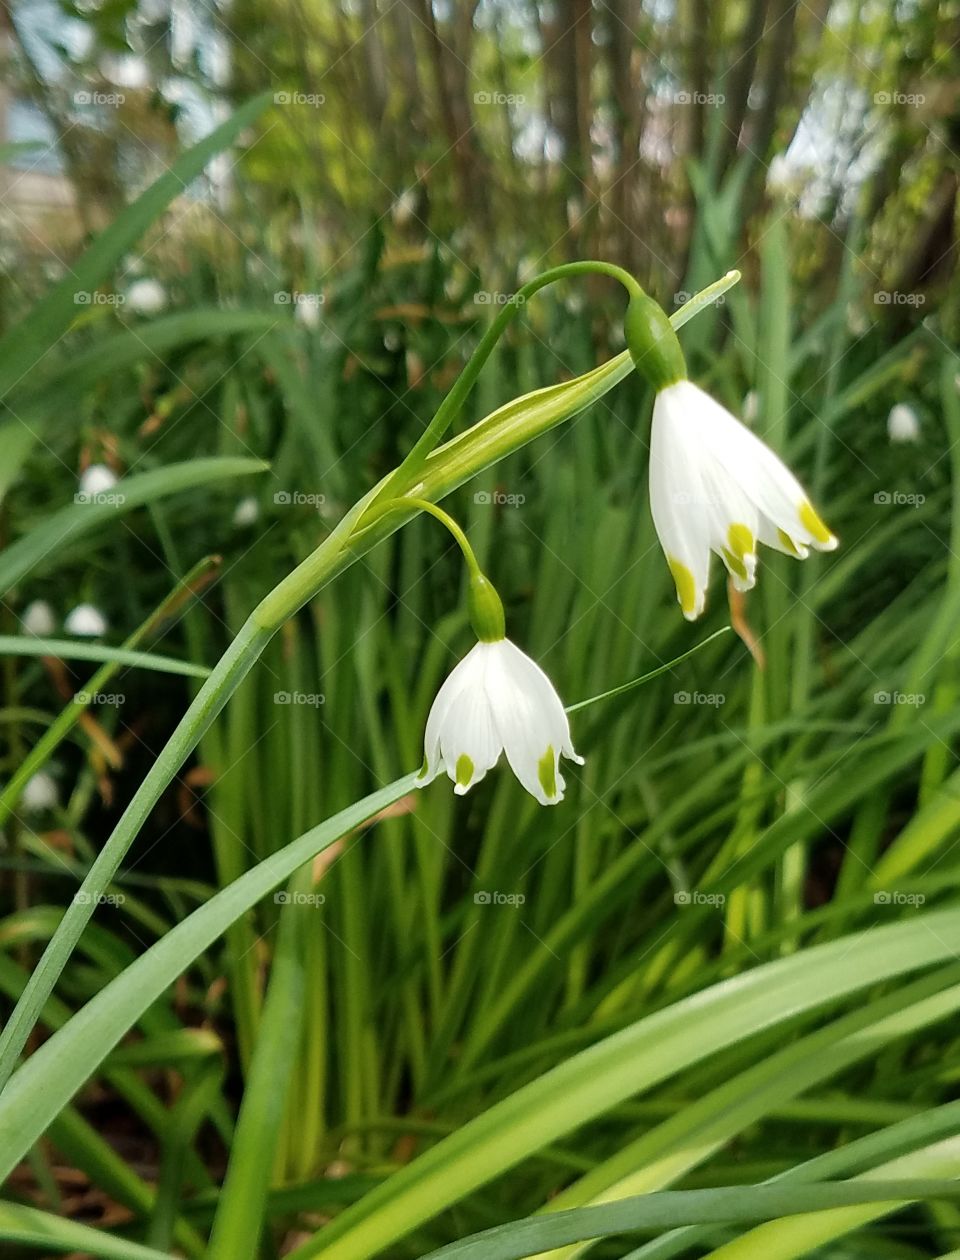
731	955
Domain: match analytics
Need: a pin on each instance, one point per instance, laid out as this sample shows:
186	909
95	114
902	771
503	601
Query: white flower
714	486
498	700
247	512
97	479
86	622
146	297
39	793
38	619
903	423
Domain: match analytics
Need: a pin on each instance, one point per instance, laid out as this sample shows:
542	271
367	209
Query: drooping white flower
146	297
86	622
715	487
38	619
97	479
39	793
903	423
247	512
498	700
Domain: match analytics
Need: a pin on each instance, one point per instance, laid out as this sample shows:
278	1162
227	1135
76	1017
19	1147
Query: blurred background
298	312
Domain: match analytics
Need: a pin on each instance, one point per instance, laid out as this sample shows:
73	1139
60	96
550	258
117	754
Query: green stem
465	382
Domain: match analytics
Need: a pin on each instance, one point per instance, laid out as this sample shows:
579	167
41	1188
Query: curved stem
465	381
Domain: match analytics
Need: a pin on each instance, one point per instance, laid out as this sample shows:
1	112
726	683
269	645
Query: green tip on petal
464	770
811	522
547	772
686	586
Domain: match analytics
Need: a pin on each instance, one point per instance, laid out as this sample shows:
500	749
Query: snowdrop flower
86	622
96	480
38	619
146	297
714	486
498	700
247	512
39	793
903	423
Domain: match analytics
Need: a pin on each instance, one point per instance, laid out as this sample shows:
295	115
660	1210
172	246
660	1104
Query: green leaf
51	1076
670	1208
72	650
31	338
45	543
33	1228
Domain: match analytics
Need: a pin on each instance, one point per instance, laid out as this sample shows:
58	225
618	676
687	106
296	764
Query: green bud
652	343
486	610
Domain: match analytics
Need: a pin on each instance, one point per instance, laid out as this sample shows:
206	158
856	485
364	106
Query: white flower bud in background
247	512
97	479
86	622
38	619
146	297
39	794
903	423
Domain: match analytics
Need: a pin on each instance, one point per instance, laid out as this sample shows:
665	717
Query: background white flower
86	621
38	619
498	700
146	297
715	487
39	793
903	423
97	479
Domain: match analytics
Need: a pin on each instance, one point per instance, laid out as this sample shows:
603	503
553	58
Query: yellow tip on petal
790	545
741	541
813	524
547	772
686	587
464	770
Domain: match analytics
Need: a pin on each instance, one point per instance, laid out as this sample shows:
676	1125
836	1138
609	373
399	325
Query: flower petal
681	504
